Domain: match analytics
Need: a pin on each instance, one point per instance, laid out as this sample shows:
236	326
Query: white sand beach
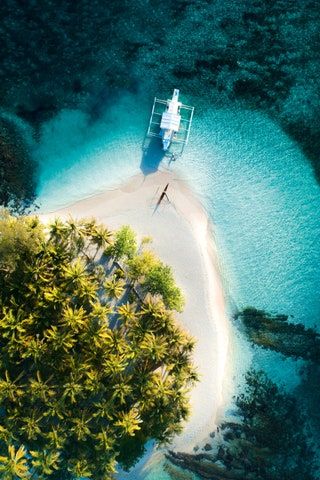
182	237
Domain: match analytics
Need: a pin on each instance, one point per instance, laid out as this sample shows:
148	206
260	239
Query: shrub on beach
86	378
124	244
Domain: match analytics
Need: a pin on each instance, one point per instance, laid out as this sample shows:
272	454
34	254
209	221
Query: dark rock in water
177	473
273	444
77	86
275	332
207	447
37	114
212	434
17	169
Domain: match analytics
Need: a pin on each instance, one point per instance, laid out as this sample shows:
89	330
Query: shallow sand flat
183	239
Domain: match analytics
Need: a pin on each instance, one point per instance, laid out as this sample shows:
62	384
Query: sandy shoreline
182	237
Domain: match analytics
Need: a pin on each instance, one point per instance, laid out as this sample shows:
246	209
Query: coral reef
266	441
17	169
261	54
275	332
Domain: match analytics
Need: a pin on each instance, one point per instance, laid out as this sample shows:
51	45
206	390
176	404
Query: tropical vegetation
92	364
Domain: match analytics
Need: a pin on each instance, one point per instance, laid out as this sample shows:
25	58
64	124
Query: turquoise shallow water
255	183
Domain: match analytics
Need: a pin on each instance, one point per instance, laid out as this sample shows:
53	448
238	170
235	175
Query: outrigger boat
171	121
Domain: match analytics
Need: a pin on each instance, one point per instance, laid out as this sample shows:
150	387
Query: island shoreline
184	239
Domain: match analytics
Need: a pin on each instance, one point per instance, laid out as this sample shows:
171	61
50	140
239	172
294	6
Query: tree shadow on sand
152	155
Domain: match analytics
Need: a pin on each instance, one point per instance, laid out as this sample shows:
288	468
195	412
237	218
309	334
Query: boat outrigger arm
171	121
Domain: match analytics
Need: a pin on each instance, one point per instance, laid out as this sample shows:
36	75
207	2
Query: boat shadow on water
152	155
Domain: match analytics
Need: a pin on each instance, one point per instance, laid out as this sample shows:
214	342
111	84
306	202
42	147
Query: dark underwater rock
207	447
254	53
275	332
267	440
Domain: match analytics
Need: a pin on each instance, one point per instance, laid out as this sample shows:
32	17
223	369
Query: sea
78	80
253	180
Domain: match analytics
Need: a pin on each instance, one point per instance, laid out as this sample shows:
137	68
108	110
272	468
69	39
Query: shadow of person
152	155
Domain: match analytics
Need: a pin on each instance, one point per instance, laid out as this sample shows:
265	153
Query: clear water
255	183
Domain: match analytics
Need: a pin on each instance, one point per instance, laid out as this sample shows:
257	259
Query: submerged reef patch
17	169
77	54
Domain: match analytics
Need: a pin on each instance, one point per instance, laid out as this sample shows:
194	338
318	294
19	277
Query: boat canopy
170	121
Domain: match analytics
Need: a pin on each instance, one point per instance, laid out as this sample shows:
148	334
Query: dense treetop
92	364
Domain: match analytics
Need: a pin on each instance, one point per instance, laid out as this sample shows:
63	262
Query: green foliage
159	280
19	237
140	265
143	267
275	332
124	245
84	374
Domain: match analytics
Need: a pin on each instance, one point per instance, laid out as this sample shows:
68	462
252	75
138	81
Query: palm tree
80	426
76	272
60	339
54	295
13	323
93	380
57	230
100	312
73	389
121	391
9	389
100	236
6	436
114	287
127	312
159	388
88	291
153	306
97	335
114	364
79	468
40	389
154	347
76	235
56	437
73	318
30	425
103	410
55	409
14	464
105	440
45	462
128	422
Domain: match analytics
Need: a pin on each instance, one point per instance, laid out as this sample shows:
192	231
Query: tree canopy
89	369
